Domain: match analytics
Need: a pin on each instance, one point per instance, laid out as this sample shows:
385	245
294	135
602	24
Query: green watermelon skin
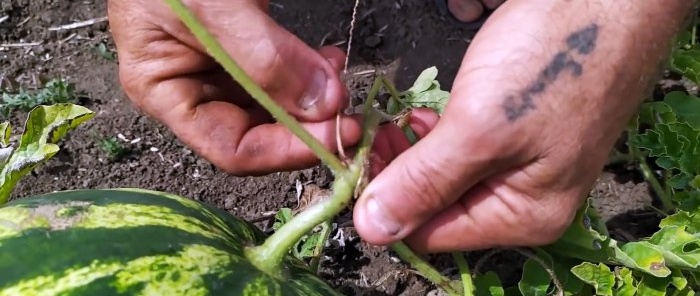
134	242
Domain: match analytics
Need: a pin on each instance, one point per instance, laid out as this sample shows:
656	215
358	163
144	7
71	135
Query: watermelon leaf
686	61
488	284
44	127
425	92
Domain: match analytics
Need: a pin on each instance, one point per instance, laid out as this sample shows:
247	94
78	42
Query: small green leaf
45	126
488	285
282	217
309	245
625	282
686	107
686	61
435	99
535	280
424	81
653	286
678	279
684	292
683	219
599	276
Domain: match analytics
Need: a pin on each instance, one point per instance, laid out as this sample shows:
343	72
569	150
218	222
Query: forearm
559	61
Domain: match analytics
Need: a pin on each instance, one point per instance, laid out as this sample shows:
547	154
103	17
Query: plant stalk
217	51
464	273
666	202
269	256
320	245
425	269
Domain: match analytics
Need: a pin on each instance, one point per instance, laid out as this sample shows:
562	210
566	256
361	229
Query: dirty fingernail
378	219
315	91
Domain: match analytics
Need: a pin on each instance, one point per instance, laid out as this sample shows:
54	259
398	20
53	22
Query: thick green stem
666	201
401	249
392	89
425	269
464	273
269	256
231	66
320	245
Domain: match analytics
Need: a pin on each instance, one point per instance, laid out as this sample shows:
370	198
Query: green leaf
680	249
282	217
425	92
599	276
678	279
435	99
685	106
45	126
687	62
488	285
535	280
653	286
684	292
625	282
309	245
691	222
424	81
643	256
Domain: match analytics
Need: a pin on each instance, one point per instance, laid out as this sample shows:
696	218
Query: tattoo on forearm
579	43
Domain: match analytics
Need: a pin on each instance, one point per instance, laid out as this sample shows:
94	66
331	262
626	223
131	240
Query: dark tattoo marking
581	42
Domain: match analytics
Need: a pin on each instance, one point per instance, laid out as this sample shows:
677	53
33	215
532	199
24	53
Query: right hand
167	73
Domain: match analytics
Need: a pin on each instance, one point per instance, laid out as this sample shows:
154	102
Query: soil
401	37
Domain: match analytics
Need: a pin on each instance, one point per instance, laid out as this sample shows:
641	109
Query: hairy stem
464	273
269	256
425	269
231	66
546	267
318	251
401	249
666	201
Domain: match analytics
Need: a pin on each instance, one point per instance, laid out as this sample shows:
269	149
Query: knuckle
266	62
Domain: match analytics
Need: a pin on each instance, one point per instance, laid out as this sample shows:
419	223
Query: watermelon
135	242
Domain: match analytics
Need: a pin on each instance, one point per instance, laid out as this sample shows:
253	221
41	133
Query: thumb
424	180
297	76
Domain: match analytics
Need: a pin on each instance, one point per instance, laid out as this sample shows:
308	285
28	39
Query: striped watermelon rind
134	242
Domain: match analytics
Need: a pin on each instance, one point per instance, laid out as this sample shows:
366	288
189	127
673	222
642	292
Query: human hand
168	75
534	112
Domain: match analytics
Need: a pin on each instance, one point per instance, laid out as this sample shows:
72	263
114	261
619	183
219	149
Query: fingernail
377	218
316	90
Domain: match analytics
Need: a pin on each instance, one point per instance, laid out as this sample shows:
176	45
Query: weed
113	148
56	91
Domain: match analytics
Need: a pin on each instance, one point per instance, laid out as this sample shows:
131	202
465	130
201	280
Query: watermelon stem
218	52
269	256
